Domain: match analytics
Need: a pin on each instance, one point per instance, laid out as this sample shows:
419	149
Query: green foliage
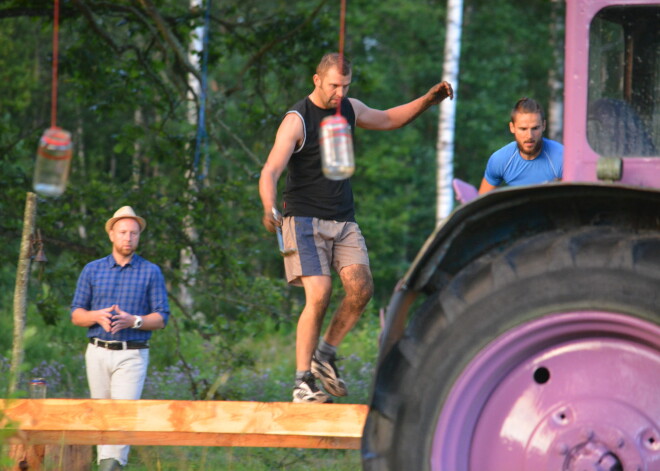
244	459
123	92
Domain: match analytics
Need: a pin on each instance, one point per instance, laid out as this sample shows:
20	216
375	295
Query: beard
126	251
535	150
332	103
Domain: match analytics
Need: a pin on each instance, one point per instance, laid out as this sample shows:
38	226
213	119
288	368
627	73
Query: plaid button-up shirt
137	288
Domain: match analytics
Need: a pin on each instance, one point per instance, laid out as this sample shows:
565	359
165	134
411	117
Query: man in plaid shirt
121	299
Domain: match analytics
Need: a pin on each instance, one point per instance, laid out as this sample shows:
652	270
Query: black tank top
308	192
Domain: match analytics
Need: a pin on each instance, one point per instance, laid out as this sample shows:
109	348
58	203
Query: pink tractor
526	333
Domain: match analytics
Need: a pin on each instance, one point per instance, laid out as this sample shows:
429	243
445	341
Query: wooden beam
184	423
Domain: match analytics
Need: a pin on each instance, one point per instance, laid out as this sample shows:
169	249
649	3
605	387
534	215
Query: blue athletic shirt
137	288
507	166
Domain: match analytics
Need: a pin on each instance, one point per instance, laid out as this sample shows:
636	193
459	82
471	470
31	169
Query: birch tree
188	260
447	118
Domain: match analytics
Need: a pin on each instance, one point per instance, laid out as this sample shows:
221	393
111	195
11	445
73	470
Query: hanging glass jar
51	171
336	144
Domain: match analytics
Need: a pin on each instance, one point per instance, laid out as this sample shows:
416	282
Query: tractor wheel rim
570	391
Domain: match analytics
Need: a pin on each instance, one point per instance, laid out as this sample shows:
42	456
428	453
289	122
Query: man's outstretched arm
399	116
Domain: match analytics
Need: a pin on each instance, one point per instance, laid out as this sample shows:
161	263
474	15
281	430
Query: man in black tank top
319	227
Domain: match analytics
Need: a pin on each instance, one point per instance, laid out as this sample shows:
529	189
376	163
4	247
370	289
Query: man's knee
365	286
358	282
317	292
366	290
319	302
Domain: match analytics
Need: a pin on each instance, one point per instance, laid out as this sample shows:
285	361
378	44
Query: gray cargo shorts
321	244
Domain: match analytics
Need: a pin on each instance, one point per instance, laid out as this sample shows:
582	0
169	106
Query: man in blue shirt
531	158
121	299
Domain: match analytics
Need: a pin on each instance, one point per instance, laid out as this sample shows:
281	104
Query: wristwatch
138	322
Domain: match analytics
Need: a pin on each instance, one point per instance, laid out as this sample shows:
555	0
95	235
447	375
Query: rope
201	140
342	28
56	29
342	31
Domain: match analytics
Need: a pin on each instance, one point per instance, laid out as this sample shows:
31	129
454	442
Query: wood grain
185	423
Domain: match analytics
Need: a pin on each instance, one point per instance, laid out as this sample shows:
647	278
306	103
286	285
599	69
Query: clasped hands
113	319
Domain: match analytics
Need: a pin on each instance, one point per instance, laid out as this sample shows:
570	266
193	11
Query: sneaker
307	391
326	372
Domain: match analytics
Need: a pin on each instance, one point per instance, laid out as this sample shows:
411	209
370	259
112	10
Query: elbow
399	124
159	322
76	318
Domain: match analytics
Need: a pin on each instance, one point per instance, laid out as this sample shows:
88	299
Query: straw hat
124	212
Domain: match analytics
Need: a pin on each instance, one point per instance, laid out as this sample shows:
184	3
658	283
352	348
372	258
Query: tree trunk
137	151
447	118
20	291
187	258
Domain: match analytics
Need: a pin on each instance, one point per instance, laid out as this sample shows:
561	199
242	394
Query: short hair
527	105
334	59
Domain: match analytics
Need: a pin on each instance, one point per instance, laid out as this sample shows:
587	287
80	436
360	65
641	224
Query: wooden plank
186	423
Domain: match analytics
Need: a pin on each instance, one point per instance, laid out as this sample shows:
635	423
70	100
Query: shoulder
98	264
554	145
293	128
144	264
554	148
95	271
298	112
357	106
149	271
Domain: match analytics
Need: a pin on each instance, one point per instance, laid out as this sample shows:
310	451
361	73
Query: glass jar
51	171
38	388
336	144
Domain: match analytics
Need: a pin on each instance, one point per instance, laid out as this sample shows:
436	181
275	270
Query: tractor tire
542	356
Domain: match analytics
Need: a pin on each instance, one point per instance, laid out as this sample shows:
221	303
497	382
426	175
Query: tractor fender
502	217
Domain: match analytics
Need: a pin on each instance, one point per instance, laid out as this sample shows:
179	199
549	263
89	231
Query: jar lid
56	137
